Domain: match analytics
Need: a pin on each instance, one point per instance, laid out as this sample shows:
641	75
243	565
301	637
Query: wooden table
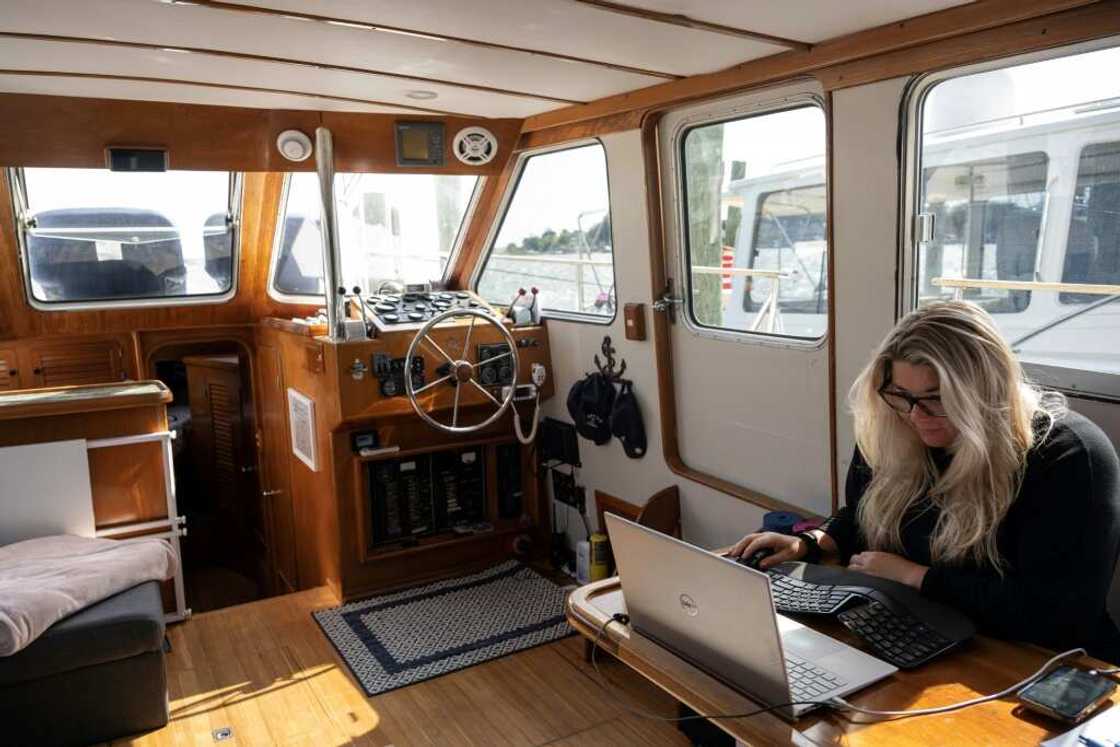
983	665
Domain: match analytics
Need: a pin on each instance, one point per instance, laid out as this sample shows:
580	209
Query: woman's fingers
781	556
741	545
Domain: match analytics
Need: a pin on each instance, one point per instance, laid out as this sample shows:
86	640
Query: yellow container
600	556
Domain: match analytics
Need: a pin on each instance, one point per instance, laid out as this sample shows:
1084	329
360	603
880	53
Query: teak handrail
1093	289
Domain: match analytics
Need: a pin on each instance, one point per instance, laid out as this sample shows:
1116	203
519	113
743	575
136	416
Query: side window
1017	202
1093	243
756	223
556	236
987	217
399	227
93	237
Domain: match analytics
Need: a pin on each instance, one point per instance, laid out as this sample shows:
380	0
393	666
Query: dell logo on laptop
688	604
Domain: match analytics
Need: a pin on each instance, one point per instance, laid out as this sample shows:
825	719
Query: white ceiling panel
804	20
558	26
23	54
176	93
197	26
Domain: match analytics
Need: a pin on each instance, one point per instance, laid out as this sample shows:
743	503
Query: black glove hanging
627	423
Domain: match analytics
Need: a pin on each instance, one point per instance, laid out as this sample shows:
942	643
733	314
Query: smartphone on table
1067	693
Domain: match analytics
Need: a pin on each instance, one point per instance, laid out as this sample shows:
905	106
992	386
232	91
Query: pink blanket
45	579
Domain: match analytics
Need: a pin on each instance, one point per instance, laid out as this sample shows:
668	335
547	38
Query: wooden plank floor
266	670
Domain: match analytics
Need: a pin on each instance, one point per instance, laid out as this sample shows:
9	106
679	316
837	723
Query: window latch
28	221
667	301
923	227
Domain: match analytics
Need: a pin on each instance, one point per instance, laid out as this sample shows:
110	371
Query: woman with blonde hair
975	487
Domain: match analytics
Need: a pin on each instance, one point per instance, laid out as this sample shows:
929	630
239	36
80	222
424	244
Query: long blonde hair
993	407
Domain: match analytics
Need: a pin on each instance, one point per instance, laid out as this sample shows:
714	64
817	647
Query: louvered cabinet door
81	363
9	370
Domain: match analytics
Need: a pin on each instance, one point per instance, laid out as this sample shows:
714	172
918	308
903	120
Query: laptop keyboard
794	595
808	682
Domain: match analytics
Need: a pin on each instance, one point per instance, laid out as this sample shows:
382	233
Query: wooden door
9	370
275	479
54	364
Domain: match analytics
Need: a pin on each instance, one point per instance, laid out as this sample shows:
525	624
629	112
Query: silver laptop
719	615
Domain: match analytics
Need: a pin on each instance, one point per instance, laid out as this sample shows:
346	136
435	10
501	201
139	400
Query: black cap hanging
627	423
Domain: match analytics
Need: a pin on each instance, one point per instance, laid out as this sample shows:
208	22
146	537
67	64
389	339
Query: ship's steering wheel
461	372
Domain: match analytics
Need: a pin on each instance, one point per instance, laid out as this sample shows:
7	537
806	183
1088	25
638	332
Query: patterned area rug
398	639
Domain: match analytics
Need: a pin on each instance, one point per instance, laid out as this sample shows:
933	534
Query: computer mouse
756	558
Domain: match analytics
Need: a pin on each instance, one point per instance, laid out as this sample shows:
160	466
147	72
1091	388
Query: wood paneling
275	477
127	482
73	400
74	132
932	30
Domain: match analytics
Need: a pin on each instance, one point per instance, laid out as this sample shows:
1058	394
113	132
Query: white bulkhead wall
710	518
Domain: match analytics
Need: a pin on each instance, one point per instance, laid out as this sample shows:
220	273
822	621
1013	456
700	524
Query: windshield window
97	235
399	227
556	236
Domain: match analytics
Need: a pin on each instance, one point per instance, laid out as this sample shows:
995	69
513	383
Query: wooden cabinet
9	369
65	364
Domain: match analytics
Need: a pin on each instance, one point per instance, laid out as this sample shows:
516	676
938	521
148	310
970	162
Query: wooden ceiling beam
957	21
678	19
280	60
424	34
225	86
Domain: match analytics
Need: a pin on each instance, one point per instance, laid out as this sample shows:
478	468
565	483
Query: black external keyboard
897	623
794	595
903	640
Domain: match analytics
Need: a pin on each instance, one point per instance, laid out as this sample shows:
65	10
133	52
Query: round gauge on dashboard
415	316
385	307
390	318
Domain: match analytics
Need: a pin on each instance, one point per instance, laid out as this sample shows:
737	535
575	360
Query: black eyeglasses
905	403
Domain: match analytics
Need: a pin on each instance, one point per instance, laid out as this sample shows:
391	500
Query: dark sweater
1060	539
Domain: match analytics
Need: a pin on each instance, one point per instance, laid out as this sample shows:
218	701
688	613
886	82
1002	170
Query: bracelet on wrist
813	548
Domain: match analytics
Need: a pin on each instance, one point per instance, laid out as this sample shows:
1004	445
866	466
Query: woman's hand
784	547
890	566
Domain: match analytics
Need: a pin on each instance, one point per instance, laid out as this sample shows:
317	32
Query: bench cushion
121	626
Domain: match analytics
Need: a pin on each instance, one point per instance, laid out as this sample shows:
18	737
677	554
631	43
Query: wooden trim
63	131
376	26
58	400
679	19
1096	21
662	339
532	140
1000	16
222	86
485	213
606	502
282	60
1093	289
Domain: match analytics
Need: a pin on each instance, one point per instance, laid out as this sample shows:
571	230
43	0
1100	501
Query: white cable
527	440
841	704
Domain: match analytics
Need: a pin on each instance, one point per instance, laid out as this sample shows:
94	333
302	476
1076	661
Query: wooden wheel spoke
489	396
